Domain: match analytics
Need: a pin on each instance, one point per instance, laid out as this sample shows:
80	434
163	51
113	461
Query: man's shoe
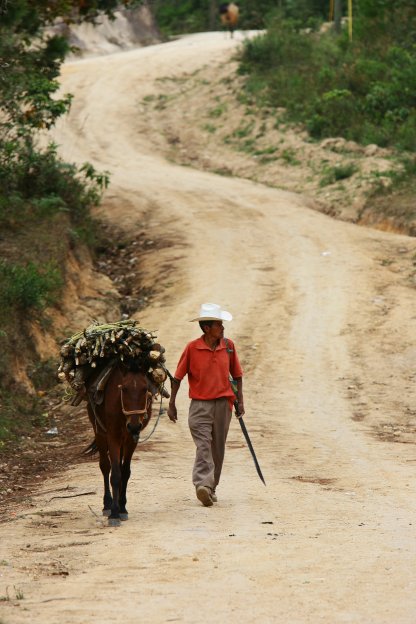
203	494
214	497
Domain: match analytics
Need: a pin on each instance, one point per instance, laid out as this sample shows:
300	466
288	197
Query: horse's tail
91	449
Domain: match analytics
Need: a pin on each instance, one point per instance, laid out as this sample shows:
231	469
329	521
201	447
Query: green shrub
327	115
178	17
363	90
16	409
38	184
282	46
406	135
29	286
43	374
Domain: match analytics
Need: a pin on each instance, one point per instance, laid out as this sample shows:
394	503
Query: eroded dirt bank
323	320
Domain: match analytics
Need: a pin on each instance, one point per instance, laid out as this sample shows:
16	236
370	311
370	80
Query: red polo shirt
208	370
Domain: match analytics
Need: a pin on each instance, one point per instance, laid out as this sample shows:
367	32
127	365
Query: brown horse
229	13
123	413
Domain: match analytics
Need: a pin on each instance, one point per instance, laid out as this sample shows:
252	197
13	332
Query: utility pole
337	15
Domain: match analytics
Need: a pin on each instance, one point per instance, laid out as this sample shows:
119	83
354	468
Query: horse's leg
105	469
115	480
101	442
129	447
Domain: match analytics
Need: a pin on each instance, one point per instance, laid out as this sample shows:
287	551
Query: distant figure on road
229	16
208	361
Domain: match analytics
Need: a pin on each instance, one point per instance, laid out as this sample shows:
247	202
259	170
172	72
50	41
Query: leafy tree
30	60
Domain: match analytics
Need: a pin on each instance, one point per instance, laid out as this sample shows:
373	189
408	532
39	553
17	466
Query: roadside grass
338	172
288	155
19	595
209	128
217	111
266	151
391	204
6	596
162	101
244	130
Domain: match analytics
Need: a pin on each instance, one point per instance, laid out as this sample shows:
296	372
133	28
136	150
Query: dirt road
323	321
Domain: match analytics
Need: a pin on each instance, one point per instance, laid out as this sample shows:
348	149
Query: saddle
95	391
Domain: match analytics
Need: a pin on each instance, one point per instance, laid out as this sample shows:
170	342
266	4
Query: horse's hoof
106	512
124	516
114	522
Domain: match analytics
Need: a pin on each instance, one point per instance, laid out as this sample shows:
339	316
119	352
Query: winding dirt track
332	536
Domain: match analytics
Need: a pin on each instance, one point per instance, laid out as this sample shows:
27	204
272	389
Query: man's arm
172	411
240	398
181	370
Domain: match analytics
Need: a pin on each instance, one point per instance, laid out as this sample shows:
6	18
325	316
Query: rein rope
157	419
143	411
160	407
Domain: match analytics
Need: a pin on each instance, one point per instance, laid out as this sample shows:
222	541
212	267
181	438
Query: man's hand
239	404
240	411
172	412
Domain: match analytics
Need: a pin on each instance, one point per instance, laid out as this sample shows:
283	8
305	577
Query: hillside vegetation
363	89
44	202
359	85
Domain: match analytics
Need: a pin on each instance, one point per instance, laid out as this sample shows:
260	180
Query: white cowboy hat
212	312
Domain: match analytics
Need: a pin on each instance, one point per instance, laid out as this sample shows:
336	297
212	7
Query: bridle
138	411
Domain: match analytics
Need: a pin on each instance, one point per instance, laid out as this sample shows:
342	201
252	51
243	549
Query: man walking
208	362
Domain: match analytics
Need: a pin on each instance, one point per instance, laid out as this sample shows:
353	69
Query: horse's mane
135	365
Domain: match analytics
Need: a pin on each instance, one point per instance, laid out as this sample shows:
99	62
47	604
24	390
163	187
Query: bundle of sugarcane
98	344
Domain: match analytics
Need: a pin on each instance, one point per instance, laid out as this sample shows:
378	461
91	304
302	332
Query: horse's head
134	395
